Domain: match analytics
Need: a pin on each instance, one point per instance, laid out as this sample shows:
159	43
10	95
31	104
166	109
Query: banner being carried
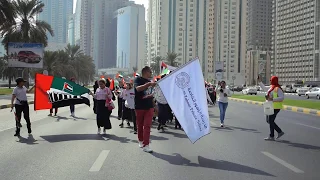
185	92
54	92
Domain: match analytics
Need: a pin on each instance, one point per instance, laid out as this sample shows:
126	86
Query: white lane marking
99	161
282	162
307	126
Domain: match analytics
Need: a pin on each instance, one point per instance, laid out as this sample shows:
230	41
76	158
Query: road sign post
233	78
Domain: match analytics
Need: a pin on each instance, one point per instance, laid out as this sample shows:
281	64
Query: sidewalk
5	100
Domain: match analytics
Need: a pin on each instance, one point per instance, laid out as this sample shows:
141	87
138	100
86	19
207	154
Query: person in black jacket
95	87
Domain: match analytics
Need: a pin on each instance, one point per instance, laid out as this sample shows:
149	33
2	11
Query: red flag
42	85
111	84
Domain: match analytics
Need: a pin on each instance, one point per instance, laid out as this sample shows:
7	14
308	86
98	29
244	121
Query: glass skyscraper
57	14
131	37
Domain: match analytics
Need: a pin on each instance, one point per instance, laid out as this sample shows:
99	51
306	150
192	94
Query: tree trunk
10	81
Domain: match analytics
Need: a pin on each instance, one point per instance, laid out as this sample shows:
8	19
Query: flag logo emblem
182	80
67	87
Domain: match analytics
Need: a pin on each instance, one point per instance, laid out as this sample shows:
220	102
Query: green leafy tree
7	73
7	13
26	28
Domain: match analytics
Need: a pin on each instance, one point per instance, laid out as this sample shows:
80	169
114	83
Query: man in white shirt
19	96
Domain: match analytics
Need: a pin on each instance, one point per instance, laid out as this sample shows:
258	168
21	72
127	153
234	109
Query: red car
28	57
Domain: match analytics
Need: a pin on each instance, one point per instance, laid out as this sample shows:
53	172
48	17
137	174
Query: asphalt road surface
64	148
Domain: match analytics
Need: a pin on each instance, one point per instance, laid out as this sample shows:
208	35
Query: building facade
95	30
104	32
71	30
296	40
182	27
259	25
230	39
258	63
131	37
57	14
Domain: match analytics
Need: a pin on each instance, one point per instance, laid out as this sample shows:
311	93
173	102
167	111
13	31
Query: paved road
67	148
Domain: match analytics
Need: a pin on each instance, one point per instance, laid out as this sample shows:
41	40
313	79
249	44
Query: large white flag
185	92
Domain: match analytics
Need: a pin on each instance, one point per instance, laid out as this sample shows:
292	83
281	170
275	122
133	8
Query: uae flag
54	92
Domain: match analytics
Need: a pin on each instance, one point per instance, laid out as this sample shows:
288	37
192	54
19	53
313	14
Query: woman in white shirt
222	93
128	96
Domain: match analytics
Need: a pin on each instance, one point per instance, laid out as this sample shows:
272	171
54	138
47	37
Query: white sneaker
72	115
99	130
104	131
140	144
222	125
147	149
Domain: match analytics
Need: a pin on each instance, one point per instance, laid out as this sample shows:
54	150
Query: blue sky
144	2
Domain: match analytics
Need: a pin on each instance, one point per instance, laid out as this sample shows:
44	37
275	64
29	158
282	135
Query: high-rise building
71	31
296	40
131	37
57	14
230	39
95	30
258	63
182	27
104	32
259	25
83	25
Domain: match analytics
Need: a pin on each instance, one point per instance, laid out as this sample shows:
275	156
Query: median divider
285	107
9	105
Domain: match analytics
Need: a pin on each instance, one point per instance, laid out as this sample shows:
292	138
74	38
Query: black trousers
25	110
273	126
133	118
164	113
120	107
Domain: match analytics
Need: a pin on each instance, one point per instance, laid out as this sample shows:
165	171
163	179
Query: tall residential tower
296	40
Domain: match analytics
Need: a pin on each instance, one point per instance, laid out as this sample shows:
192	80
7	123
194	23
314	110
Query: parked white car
302	91
313	93
250	91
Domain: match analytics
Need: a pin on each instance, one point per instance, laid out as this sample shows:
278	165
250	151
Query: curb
287	108
9	105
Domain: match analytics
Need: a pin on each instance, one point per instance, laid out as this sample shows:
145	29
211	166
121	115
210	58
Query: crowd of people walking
141	101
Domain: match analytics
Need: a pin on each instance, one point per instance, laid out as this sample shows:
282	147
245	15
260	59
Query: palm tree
171	58
7	13
155	64
26	28
73	51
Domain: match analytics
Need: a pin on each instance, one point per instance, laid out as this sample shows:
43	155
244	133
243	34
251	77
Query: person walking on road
118	93
19	96
55	111
163	107
103	95
95	87
128	96
144	107
72	106
276	95
223	93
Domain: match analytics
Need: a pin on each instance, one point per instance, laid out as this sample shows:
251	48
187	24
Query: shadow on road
177	159
116	138
232	128
178	135
299	145
71	137
30	140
